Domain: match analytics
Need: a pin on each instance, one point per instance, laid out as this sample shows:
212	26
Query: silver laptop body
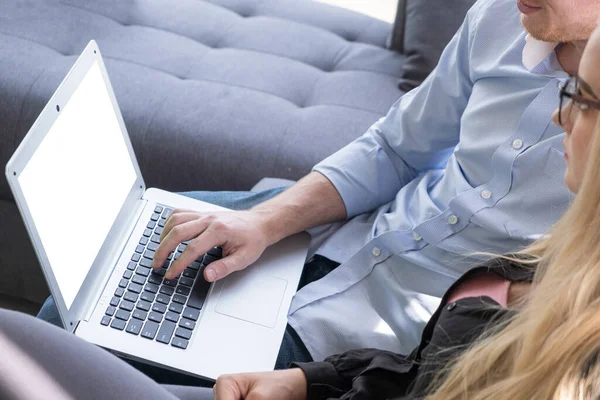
82	197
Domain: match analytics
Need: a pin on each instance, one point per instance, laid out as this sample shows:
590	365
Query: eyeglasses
571	90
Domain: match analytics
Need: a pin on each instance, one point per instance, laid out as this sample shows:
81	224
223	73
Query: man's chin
537	29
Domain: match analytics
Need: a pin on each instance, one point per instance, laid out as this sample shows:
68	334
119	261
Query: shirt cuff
319	374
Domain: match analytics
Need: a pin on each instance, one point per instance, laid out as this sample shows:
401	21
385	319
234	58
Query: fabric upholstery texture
428	26
215	94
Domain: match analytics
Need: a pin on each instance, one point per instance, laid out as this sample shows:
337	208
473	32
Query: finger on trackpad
253	298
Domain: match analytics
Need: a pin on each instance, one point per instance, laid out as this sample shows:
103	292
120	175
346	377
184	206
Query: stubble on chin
540	29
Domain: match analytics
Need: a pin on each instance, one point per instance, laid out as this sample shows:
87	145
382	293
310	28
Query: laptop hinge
122	240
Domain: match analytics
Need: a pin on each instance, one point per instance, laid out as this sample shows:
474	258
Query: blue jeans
292	348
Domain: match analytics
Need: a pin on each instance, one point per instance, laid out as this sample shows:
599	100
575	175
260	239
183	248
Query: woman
543	340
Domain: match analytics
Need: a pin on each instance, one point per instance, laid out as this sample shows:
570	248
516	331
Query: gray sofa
216	94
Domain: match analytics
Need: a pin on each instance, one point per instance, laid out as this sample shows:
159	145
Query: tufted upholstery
215	94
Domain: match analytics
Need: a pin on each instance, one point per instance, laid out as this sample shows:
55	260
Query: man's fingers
178	234
219	269
177	217
197	247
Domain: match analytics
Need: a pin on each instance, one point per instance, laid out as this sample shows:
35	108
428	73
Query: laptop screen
77	181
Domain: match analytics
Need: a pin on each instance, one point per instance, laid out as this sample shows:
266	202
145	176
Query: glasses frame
582	102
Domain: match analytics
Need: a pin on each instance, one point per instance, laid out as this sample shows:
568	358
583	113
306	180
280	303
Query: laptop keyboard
155	308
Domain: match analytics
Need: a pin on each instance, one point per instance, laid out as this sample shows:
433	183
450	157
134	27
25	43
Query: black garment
378	374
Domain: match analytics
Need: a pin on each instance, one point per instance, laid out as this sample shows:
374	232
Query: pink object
485	284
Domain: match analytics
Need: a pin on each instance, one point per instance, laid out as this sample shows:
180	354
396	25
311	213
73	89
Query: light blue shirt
467	162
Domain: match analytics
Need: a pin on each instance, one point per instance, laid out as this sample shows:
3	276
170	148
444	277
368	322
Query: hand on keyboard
239	233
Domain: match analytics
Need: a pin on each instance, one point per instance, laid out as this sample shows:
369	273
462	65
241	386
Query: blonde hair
544	351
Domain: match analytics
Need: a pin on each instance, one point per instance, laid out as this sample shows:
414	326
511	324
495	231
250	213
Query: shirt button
451	306
517	144
376	251
486	194
417	237
453	220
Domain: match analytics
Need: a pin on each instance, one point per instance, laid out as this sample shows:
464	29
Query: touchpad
252	297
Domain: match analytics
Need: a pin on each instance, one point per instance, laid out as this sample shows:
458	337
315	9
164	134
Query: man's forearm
311	202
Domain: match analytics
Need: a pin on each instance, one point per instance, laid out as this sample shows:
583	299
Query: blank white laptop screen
77	181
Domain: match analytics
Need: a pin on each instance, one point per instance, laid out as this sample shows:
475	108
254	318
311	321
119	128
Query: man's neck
569	56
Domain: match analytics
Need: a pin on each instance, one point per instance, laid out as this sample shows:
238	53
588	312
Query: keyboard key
161	308
161	298
195	266
146	263
158	209
186	282
167	212
165	332
123	283
170	282
190	273
176	308
127	274
162	222
144	241
177	255
127	305
110	311
135	257
167	290
147	232
152	246
170	257
199	293
131	266
139	314
144	271
191	313
130	296
118	324
179	299
179	342
184	290
114	301
151	225
187	324
154	316
155	239
216	252
208	259
147	296
149	255
155	278
149	330
160	271
119	292
171	316
139	279
143	305
139	249
183	333
155	217
122	314
181	247
105	320
135	288
151	287
134	326
159	230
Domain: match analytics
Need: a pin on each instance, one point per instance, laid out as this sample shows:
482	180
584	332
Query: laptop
95	226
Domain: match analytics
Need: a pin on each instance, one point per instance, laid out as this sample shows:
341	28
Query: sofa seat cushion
215	94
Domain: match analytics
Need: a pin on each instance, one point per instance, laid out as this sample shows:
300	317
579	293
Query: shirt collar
536	51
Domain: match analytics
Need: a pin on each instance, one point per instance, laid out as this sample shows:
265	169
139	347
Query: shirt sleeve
418	134
335	377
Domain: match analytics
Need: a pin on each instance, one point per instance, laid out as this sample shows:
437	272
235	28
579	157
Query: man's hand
240	233
276	385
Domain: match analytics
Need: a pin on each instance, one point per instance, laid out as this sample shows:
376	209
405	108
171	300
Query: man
468	162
